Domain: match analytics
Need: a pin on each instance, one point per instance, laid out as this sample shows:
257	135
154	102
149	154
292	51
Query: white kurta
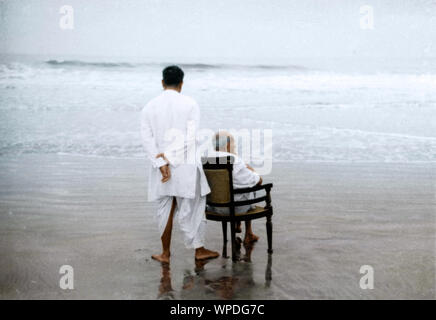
169	125
242	178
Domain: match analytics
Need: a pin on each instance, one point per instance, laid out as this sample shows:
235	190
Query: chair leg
233	238
224	223
269	233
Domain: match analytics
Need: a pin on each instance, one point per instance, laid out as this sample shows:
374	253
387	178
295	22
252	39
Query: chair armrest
266	186
251	201
267	198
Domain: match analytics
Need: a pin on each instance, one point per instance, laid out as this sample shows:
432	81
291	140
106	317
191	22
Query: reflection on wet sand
166	291
217	285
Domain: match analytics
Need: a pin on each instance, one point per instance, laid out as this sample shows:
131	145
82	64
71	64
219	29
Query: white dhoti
190	214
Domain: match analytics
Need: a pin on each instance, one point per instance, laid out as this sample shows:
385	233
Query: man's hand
260	181
164	170
162	155
166	173
250	167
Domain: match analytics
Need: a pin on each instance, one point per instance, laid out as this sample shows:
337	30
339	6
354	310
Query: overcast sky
202	29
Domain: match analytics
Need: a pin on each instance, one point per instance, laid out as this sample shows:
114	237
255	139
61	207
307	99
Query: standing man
169	125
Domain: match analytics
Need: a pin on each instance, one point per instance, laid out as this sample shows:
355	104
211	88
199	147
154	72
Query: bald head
224	141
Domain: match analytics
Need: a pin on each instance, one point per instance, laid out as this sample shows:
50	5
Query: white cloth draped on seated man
243	175
169	125
242	178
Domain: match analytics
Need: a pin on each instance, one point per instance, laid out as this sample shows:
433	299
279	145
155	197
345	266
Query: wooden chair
219	175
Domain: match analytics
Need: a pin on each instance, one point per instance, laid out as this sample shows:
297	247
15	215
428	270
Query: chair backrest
219	176
218	180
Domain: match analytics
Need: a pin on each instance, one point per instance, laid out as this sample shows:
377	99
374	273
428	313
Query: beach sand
329	220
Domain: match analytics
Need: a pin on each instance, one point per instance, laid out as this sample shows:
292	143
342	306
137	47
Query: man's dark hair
172	76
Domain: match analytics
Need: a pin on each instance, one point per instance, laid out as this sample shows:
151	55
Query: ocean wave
191	66
304	144
241	66
78	63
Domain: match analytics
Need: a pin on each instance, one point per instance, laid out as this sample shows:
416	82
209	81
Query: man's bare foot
251	237
203	254
164	257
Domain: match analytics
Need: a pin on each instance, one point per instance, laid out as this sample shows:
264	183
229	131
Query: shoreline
329	219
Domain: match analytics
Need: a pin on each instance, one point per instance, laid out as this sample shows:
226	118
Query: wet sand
329	220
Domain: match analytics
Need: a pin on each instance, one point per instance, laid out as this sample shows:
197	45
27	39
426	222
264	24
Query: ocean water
339	111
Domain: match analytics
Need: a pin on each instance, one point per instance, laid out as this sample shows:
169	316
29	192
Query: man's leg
238	228
201	253
166	236
193	225
249	235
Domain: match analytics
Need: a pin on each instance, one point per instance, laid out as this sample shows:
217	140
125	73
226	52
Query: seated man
244	176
